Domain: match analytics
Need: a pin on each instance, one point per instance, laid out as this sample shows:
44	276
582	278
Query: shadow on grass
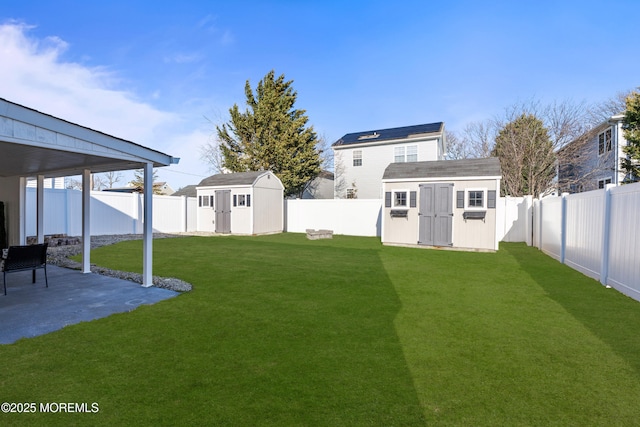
611	316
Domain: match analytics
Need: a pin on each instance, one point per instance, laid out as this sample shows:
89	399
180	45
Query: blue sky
163	73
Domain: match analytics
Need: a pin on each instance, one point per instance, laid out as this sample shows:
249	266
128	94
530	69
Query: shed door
435	215
223	211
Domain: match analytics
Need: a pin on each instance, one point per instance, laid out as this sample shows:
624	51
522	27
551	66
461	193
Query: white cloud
34	74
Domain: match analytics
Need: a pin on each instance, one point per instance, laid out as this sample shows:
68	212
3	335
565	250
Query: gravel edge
59	256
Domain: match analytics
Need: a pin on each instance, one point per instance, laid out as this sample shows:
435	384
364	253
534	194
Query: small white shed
245	203
445	203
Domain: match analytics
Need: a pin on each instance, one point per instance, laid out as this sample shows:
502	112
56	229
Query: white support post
147	248
22	238
606	231
40	209
86	221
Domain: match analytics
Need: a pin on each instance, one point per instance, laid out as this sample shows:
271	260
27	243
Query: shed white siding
256	208
450	203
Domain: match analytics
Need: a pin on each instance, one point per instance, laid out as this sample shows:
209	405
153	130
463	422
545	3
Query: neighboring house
446	203
241	203
187	191
360	158
321	187
159	188
592	160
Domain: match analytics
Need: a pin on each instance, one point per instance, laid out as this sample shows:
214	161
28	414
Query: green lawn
283	331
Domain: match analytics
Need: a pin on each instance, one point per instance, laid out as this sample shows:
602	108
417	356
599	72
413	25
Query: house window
412	153
407	153
357	158
398	155
604	142
400	199
603	182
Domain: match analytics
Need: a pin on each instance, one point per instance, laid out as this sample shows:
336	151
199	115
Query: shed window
400	199
241	200
205	201
476	199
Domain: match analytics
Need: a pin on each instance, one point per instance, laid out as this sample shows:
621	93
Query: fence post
606	231
528	226
563	228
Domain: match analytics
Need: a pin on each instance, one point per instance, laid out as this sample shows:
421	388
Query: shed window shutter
460	199
491	199
199	201
211	201
235	200
248	200
412	199
387	199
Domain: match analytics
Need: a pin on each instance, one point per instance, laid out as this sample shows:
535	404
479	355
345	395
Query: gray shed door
223	211
436	215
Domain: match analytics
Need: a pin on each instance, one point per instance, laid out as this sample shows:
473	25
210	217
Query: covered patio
38	145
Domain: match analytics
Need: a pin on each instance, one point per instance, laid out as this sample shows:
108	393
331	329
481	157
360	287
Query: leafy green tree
631	130
527	157
271	135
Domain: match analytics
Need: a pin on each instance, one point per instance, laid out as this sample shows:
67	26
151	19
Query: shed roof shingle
444	168
389	134
238	178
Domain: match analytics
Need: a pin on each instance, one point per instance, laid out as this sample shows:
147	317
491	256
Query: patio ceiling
24	160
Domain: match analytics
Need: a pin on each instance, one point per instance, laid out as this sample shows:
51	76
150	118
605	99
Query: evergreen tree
138	180
526	154
271	135
631	130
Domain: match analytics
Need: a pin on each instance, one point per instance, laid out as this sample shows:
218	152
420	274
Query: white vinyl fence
596	233
111	213
354	217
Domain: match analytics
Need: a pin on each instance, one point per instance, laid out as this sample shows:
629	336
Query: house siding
584	166
375	158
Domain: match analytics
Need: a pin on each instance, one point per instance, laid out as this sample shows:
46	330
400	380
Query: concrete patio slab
31	309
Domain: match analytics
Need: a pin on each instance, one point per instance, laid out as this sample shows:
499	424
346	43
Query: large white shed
245	203
446	203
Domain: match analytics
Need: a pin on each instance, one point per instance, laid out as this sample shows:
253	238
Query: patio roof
34	143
